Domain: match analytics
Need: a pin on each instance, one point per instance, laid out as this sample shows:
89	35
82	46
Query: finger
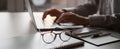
62	19
45	15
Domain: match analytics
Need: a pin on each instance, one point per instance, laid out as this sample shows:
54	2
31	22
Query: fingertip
45	14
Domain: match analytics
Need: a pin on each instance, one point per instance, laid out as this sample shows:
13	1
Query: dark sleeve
103	21
86	9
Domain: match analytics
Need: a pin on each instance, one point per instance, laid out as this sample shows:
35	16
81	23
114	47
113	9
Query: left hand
74	18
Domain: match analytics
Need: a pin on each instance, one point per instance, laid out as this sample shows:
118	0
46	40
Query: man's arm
86	9
91	8
103	21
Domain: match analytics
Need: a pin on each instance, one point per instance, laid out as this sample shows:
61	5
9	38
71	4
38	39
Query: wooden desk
17	32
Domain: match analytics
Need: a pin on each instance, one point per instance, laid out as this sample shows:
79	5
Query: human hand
74	18
52	12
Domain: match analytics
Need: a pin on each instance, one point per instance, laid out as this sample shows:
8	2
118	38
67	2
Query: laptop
38	23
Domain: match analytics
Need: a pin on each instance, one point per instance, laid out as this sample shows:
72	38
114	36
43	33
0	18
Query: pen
100	35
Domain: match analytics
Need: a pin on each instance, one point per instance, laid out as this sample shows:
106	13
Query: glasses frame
56	34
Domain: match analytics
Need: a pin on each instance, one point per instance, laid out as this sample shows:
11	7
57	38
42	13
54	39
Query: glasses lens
64	37
48	37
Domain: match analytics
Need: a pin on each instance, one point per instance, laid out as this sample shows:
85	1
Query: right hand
52	12
74	18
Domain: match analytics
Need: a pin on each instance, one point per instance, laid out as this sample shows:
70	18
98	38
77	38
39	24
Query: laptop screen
28	6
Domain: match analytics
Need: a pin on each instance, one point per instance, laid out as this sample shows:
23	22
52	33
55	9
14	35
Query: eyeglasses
50	36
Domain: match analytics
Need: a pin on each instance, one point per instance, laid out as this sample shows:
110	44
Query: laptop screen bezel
29	8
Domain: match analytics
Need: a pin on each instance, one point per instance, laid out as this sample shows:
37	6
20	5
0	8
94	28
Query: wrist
87	21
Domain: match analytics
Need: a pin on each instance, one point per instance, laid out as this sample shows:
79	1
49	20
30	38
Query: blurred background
38	5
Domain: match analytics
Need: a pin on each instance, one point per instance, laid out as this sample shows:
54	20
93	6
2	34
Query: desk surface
17	32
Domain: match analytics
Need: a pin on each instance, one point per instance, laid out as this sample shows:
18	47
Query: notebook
99	41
